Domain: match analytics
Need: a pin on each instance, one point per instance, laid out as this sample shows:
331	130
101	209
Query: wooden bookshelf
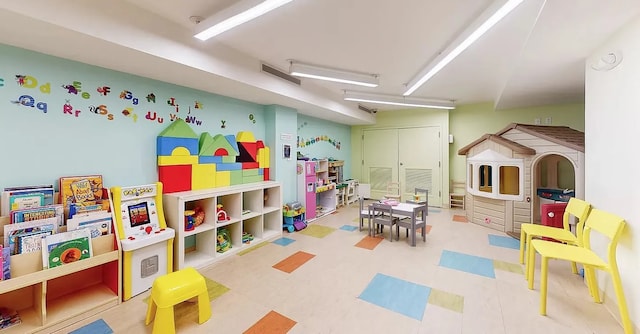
50	299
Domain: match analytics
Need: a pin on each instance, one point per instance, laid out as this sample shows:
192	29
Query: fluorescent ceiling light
235	15
488	19
398	100
332	74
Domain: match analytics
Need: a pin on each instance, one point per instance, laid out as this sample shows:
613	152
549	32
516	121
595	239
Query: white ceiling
535	56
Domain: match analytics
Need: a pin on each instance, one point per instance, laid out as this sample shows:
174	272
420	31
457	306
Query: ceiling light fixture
492	15
398	100
235	15
332	74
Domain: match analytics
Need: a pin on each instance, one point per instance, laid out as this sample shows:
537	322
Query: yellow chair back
579	209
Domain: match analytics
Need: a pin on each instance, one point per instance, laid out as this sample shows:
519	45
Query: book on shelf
5	258
49	211
66	247
82	208
98	222
85	190
13	231
26	197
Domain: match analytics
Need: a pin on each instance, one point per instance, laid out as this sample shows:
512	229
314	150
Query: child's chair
606	224
577	208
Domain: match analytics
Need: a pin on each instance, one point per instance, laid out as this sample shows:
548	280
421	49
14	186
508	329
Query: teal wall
48	131
281	130
323	139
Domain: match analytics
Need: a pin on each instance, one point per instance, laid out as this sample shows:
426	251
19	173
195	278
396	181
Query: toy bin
551	215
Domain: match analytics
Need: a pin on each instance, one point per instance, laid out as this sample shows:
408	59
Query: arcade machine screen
139	214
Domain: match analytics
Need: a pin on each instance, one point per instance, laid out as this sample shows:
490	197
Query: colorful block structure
187	161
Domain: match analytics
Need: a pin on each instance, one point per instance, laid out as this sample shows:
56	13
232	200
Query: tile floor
464	279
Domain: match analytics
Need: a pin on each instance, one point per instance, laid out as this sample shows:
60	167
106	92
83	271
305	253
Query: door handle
401	164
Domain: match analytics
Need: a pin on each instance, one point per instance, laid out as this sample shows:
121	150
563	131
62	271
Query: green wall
469	122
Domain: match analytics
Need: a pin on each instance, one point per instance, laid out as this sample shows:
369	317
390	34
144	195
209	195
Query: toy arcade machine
147	242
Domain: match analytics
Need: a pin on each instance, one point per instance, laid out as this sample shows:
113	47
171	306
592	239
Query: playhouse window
484	176
509	180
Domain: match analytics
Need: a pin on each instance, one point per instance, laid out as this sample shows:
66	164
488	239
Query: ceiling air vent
282	75
367	109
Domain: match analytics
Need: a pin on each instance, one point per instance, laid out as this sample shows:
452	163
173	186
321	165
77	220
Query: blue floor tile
468	263
349	228
96	327
502	241
283	241
397	295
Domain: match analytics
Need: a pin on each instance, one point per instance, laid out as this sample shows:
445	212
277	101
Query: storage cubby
50	299
263	220
271	199
253	226
272	223
232	205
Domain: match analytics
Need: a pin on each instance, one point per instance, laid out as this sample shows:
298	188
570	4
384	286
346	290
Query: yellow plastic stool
172	289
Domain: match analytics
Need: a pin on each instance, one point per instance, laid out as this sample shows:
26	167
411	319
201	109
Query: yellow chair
174	288
577	208
604	223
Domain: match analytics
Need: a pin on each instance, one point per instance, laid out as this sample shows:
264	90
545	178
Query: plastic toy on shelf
222	215
293	216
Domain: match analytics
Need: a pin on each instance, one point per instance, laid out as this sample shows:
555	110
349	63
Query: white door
380	159
420	162
411	156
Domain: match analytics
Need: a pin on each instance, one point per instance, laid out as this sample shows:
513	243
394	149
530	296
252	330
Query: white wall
612	130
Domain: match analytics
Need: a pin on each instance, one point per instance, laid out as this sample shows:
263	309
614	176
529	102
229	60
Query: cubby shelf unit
255	208
50	299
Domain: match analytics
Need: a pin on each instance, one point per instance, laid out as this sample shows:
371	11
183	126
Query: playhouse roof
561	135
518	148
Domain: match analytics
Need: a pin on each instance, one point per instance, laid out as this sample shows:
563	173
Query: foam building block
263	157
223	179
245	137
232	141
236	177
177	159
177	134
223	148
250	172
175	178
203	176
265	174
250	165
206	159
168	145
248	152
229	166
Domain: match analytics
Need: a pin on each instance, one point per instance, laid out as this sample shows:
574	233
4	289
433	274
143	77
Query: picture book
12	231
25	197
25	215
82	208
67	247
85	189
30	242
6	263
99	223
